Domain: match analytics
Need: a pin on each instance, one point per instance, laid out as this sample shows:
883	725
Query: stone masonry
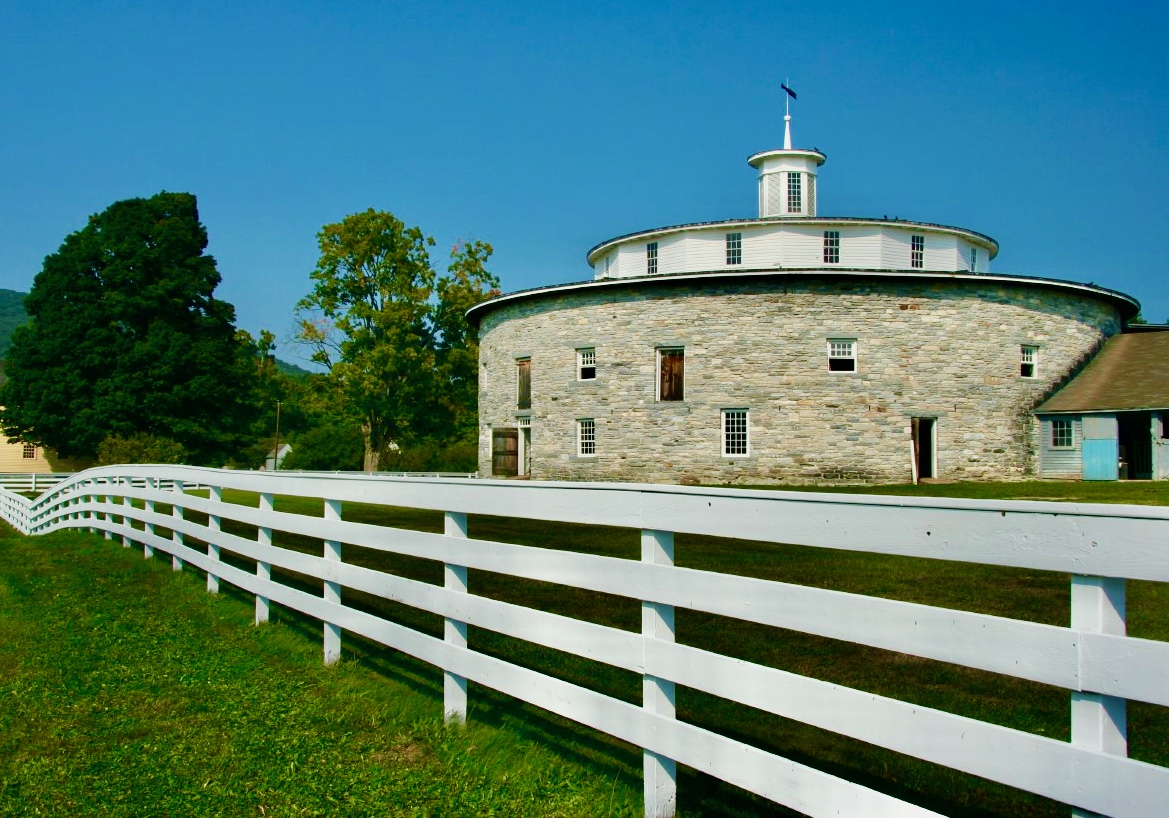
944	348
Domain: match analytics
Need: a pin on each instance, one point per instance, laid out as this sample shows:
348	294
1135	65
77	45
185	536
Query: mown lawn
1029	595
127	690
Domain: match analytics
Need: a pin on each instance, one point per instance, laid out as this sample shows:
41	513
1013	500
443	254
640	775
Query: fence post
658	696
332	589
1099	722
454	687
264	569
107	501
147	548
126	501
176	511
215	494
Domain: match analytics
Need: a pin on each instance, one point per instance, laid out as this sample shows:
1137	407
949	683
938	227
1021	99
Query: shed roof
1130	372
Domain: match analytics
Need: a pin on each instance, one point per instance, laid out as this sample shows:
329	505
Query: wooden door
505	452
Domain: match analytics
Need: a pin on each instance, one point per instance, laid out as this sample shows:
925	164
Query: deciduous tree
404	361
126	337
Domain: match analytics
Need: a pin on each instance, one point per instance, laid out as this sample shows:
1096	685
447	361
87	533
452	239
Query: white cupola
787	178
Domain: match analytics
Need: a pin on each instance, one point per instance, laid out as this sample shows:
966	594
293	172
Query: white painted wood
147	549
332	590
454	630
658	693
176	534
1099	722
264	569
214	524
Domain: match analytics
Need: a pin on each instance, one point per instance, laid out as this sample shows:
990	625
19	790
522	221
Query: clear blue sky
545	128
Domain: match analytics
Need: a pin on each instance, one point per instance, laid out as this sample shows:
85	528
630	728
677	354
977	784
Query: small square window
29	451
1028	361
917	254
734	248
586	364
524	383
586	437
1061	433
831	246
651	257
842	354
736	432
671	374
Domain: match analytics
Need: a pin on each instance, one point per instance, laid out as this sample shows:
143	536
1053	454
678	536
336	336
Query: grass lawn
127	690
1029	595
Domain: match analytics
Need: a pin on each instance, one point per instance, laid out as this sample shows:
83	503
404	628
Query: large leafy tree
126	338
399	358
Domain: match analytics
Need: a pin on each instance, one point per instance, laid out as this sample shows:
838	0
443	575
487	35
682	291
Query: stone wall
947	349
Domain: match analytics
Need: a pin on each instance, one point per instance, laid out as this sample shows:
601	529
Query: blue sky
545	128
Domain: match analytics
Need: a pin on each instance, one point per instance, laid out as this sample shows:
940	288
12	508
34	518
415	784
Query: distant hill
12	315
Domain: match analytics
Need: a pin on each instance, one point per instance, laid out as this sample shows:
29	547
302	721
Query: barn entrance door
1135	435
924	431
505	452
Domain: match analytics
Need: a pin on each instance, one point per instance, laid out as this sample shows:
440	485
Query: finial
787	116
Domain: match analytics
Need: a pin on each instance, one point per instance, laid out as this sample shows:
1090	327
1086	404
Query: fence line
1100	546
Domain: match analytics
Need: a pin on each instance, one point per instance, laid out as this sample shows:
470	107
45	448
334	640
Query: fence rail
1100	546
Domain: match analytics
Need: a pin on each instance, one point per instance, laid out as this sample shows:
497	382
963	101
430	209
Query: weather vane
787	116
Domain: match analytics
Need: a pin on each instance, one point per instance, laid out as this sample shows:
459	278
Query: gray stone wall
942	349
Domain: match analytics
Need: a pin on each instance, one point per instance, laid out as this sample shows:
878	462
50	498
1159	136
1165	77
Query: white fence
1101	546
32	482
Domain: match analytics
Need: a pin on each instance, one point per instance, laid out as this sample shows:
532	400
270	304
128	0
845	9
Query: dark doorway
505	452
924	440
1135	436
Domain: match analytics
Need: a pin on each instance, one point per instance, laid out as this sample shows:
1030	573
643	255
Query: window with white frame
917	253
1061	433
736	432
586	437
586	364
30	451
651	257
1028	361
831	246
734	248
842	355
795	193
671	374
973	259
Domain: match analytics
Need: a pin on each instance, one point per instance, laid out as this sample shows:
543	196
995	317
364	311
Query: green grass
1021	594
127	690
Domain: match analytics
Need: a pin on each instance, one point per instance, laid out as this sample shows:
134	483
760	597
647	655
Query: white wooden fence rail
1099	545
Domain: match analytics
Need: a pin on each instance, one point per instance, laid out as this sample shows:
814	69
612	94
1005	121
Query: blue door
1101	459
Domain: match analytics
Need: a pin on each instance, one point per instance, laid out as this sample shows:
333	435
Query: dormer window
651	258
795	193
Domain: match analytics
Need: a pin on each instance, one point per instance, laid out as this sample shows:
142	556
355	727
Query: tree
398	357
468	282
126	338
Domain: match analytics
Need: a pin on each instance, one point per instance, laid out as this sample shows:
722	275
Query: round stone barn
790	348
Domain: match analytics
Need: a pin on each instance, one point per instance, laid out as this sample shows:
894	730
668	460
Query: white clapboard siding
1100	541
